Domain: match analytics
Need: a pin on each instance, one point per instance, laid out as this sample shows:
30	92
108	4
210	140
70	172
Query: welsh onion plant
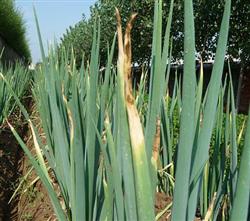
110	150
18	77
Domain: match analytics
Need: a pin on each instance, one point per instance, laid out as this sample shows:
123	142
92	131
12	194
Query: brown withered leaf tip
125	53
124	67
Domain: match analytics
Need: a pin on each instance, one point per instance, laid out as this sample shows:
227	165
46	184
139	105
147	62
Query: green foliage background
12	28
208	16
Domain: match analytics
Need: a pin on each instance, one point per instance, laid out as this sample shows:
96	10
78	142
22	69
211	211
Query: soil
34	202
10	156
161	202
10	160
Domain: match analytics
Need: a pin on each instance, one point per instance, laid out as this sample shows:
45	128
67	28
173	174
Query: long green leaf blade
187	125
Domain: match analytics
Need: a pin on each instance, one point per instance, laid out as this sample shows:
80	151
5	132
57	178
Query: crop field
103	148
